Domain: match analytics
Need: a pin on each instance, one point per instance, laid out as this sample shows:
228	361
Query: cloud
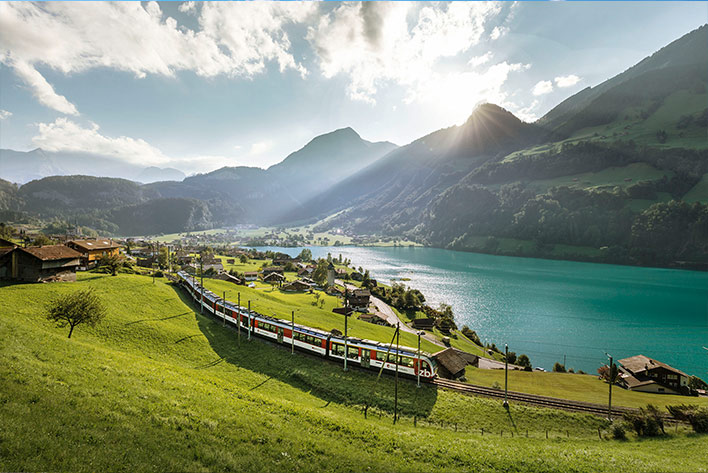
527	114
4	114
376	43
66	135
498	32
479	60
42	90
567	81
237	40
542	87
260	148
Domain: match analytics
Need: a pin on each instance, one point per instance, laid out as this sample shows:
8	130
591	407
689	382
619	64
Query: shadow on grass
311	373
158	318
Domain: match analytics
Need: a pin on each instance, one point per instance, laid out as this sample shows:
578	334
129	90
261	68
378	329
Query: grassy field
605	179
699	192
157	387
587	388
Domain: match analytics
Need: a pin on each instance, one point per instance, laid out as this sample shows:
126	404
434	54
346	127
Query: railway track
537	400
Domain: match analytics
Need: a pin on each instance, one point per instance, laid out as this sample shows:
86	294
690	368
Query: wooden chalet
423	323
39	263
274	278
272	269
450	364
641	373
94	249
296	286
359	299
250	275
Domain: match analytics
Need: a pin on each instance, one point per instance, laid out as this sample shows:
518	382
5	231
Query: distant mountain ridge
24	166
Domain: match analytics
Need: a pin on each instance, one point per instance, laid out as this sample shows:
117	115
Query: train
365	353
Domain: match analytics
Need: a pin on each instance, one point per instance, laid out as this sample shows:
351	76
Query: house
308	281
250	275
39	263
296	286
230	261
274	278
357	276
306	271
272	269
423	323
228	277
359	299
450	364
95	249
641	373
340	273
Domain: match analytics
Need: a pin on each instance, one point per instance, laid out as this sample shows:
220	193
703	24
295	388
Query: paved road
384	311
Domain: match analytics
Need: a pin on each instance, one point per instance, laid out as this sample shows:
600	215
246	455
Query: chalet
357	276
95	249
423	323
359	299
39	263
230	261
228	277
306	271
641	373
308	281
185	259
273	278
450	364
250	275
296	286
272	269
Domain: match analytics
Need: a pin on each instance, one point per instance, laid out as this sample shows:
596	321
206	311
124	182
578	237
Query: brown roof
640	363
453	362
51	252
6	243
96	244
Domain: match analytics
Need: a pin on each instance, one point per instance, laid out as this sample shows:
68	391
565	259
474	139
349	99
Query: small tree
524	361
112	262
80	307
558	368
695	415
243	259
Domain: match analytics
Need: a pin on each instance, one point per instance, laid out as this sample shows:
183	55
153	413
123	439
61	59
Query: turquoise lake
550	309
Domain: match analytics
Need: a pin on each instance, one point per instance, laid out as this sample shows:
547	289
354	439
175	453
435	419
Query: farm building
39	263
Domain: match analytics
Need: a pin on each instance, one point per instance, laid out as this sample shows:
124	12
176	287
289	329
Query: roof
51	252
96	244
640	363
6	243
448	358
361	293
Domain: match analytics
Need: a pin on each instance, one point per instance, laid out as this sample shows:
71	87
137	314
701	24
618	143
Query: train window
338	349
405	361
353	352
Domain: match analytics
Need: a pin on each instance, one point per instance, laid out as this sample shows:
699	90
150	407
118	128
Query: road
385	311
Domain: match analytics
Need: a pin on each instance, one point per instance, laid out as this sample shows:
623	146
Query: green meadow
159	387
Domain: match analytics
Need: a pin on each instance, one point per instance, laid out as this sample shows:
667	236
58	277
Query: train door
365	358
280	334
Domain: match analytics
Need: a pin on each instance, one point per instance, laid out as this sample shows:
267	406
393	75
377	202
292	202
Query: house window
672	376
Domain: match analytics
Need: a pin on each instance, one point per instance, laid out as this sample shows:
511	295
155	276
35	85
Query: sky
198	86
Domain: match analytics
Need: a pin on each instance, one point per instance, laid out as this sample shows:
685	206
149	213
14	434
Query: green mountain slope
157	387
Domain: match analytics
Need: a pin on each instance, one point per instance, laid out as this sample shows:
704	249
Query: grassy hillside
157	387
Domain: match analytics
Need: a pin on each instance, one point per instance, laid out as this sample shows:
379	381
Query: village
454	350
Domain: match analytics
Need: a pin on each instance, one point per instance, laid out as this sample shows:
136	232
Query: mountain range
591	174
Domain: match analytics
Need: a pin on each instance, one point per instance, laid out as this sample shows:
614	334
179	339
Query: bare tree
80	307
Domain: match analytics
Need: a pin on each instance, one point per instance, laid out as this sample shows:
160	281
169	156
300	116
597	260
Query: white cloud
498	32
479	60
66	135
375	43
42	90
542	87
233	39
4	114
567	81
527	114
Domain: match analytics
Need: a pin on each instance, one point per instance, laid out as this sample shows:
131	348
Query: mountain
390	194
608	175
269	195
25	166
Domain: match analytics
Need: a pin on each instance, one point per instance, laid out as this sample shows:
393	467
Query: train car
364	353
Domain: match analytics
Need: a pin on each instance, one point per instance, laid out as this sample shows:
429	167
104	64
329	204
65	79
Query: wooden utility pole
612	380
395	389
250	321
506	376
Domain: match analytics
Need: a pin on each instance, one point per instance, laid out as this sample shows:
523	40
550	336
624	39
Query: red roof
97	244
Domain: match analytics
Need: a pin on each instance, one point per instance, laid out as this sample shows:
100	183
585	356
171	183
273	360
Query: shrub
618	431
496	385
647	422
694	415
558	368
524	361
471	335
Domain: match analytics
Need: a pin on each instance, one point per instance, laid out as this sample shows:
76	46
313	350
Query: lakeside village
39	259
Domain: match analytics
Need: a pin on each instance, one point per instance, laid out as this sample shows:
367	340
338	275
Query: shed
450	364
39	263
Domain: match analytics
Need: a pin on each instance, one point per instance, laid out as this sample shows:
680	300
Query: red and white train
365	353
